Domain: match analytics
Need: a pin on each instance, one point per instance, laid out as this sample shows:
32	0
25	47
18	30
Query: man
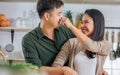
41	45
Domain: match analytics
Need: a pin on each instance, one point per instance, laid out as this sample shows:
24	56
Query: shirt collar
40	33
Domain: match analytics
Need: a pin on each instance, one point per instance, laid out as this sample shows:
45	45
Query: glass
19	22
24	20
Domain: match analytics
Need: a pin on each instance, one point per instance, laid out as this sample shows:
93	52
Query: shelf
18	0
112	27
15	59
14	28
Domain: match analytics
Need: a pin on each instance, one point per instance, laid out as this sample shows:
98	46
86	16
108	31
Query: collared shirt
40	50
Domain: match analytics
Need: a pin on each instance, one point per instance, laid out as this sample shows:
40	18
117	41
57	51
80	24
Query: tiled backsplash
14	10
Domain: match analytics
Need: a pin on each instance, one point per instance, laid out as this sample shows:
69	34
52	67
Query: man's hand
69	71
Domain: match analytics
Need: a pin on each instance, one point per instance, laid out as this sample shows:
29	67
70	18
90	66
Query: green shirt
40	50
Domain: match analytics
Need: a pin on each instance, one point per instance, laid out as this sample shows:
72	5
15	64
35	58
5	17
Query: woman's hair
99	24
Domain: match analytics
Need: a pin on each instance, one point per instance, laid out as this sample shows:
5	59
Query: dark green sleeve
67	32
63	35
30	52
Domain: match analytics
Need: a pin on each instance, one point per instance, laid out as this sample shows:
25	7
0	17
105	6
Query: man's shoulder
30	34
62	27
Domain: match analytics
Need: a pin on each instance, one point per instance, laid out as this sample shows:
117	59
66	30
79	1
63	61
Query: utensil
10	47
112	53
118	46
107	35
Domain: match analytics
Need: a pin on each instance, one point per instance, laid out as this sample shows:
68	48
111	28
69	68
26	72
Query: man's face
55	17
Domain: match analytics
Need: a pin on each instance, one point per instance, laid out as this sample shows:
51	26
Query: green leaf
69	15
24	67
80	16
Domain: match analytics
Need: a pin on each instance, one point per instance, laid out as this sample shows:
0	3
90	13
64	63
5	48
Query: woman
87	52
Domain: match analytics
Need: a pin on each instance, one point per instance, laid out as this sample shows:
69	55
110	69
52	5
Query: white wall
14	10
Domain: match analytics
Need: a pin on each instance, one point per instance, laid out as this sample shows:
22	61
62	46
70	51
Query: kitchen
17	10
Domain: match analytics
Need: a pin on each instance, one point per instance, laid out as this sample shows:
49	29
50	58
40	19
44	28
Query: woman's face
87	25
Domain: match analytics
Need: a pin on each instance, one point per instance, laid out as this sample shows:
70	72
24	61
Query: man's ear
46	16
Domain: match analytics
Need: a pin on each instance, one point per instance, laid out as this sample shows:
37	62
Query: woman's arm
100	47
63	55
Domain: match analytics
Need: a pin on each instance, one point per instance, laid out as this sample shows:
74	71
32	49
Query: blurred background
23	18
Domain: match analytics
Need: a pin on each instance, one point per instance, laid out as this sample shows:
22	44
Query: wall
14	10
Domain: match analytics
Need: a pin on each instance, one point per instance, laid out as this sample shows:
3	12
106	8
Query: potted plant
25	69
79	20
69	15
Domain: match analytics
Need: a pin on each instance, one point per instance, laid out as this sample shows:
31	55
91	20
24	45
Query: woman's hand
66	22
69	71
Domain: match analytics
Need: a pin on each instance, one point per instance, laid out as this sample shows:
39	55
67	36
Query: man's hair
47	5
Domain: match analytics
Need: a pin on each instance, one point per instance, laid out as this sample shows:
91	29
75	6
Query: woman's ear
46	16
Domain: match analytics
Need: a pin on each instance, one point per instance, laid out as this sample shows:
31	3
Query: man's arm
52	70
58	70
30	52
